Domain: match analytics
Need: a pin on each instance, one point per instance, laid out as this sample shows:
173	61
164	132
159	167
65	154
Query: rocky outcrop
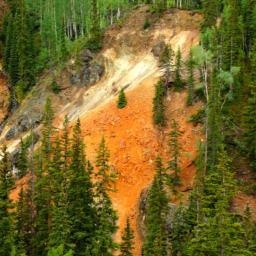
158	49
143	212
24	124
90	71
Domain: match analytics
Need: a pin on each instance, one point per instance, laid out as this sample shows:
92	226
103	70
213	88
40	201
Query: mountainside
127	128
131	137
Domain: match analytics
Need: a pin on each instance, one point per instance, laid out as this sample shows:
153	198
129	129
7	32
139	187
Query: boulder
90	71
75	79
158	49
96	72
86	56
11	133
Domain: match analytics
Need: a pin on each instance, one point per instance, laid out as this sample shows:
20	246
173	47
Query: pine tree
60	224
42	193
158	104
103	243
81	211
174	165
95	42
24	222
178	82
156	213
122	101
127	240
191	80
6	218
22	163
211	10
250	126
166	63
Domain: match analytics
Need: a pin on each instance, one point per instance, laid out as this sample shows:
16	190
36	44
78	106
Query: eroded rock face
158	49
11	133
90	71
143	211
24	124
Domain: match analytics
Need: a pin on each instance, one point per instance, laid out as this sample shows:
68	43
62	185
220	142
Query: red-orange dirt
4	96
134	144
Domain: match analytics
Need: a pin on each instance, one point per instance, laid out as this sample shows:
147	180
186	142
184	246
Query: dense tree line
225	60
65	207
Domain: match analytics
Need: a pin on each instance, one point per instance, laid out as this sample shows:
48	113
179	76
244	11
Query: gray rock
75	79
86	56
158	49
142	212
15	156
11	133
25	123
96	72
90	71
92	74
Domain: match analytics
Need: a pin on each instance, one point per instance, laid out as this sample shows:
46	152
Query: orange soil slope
4	96
134	143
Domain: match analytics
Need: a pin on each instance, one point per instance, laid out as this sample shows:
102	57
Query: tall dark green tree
156	211
158	104
81	209
174	162
178	65
191	79
22	163
6	217
103	243
127	240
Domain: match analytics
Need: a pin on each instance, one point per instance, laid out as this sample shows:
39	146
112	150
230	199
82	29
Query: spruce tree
122	101
103	243
191	79
166	63
174	163
178	82
158	104
127	240
22	164
6	217
42	193
156	212
24	222
81	211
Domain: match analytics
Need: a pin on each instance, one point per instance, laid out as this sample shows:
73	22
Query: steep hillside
131	137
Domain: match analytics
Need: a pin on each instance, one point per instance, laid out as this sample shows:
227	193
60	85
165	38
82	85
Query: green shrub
146	24
198	118
55	87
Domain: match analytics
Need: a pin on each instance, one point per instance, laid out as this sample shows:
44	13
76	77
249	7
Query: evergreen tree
127	240
122	101
24	222
60	224
156	212
191	80
250	126
22	163
211	10
6	218
103	243
81	211
178	82
174	165
42	194
158	104
166	63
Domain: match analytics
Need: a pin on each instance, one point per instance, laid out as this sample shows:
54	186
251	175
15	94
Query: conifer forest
127	127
